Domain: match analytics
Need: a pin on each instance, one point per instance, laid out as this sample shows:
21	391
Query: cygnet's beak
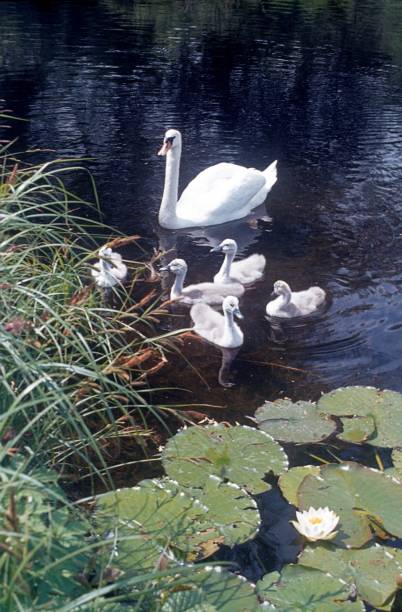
216	249
165	148
237	313
273	294
164	269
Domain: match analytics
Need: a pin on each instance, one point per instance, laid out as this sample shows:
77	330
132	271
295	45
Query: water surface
316	84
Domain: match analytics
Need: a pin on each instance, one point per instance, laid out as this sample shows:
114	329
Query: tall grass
73	390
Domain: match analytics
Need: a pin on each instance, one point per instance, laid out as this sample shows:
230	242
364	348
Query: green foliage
45	541
298	422
361	496
383	407
159	519
303	589
374	571
210	590
290	482
356	429
239	454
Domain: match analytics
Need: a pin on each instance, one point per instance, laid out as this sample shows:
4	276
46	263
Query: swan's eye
170	139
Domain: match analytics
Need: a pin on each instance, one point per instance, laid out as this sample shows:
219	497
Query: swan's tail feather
270	174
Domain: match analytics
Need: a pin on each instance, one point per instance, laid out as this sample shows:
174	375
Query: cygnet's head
226	246
281	288
176	266
231	304
172	140
105	252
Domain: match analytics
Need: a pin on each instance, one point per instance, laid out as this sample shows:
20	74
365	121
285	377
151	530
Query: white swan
110	269
245	271
221	330
294	304
220	193
209	293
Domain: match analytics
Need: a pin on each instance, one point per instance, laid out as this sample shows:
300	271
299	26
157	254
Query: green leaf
360	496
349	401
356	429
240	454
309	590
159	517
152	518
212	589
384	407
230	510
298	422
374	570
290	482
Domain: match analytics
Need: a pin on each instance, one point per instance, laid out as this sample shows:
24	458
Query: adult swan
220	193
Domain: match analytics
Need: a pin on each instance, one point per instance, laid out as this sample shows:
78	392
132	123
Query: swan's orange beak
165	148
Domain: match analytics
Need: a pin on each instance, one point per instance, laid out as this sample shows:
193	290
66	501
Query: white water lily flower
316	524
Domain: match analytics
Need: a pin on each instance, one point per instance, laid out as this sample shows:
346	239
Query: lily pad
152	518
230	510
300	588
290	482
397	460
384	407
360	495
349	401
240	454
373	571
159	516
212	589
298	422
356	429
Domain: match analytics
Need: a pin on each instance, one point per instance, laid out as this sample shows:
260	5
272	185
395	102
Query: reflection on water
316	84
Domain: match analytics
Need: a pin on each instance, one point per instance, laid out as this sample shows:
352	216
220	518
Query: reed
74	367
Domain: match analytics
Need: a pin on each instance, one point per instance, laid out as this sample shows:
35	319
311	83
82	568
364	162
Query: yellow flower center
316	520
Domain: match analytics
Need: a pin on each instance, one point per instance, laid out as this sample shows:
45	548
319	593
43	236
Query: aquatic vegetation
377	414
367	415
239	454
316	524
179	523
299	422
301	588
374	571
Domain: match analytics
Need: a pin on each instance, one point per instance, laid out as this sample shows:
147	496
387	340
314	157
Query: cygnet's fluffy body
110	269
290	303
216	328
245	271
208	293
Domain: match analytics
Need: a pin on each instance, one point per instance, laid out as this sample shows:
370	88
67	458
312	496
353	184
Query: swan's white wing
223	199
308	300
249	269
205	180
207	322
211	293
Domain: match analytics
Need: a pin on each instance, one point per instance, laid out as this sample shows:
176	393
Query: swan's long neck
229	328
177	288
224	272
284	298
167	211
105	266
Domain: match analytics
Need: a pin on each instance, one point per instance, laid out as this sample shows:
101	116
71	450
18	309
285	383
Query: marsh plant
74	393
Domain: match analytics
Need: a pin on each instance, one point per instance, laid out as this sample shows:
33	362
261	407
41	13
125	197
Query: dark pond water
316	84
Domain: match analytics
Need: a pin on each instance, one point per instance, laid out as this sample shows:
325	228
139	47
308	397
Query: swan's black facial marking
170	140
